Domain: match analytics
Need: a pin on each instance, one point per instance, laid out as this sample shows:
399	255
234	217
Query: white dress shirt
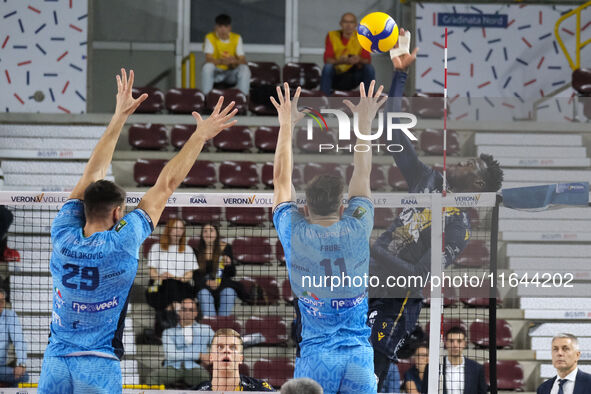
569	386
454	377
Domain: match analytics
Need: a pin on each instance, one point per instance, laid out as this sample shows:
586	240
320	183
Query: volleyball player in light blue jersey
322	250
95	256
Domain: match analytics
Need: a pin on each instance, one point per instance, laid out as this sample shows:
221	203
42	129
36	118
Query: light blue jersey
92	278
317	258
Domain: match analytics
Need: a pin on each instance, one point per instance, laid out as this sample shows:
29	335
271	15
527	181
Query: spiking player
95	256
331	242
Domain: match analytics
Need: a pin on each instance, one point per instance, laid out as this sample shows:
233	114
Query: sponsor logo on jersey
120	225
359	212
339	303
95	306
380	336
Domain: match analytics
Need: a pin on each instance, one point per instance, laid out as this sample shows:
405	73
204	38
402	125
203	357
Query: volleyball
377	32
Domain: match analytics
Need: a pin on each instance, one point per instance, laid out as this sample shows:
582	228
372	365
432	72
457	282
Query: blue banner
472	20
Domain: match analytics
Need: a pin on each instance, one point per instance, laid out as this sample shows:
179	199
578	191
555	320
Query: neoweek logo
344	130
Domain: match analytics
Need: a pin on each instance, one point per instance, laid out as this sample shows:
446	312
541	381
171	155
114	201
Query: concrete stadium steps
579	162
44	167
537	152
51	131
42	182
562	214
35	143
528	139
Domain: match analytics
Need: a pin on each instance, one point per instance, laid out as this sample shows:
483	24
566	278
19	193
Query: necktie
561	382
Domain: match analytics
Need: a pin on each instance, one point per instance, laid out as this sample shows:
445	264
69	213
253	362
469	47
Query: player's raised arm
101	156
178	167
366	110
283	163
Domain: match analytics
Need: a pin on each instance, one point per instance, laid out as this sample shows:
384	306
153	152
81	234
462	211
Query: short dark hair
493	175
223	20
324	194
101	197
456	330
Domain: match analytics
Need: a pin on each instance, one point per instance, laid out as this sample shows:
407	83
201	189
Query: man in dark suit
565	357
460	374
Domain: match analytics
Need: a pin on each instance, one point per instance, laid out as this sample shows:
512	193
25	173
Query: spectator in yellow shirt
224	57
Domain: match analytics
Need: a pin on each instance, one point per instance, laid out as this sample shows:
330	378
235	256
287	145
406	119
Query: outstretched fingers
274	102
371	87
349	105
362	90
124	78
218	106
131	78
119	84
227	109
197	117
379	92
280	95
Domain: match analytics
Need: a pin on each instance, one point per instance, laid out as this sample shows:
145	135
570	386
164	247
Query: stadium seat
218	322
403	367
264	73
244	369
264	76
169	213
313	169
234	139
431	142
383	217
476	254
202	174
480	338
448	323
581	82
147	245
273	328
377	178
252	250
427	105
279	253
275	371
154	103
474	217
267	175
306	75
184	100
450	296
194	243
147	136
313	98
255	216
180	133
238	174
509	375
201	215
286	293
145	172
396	180
265	138
260	290
313	145
230	94
478	297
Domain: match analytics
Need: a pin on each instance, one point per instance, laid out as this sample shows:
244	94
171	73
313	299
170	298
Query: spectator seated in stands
460	374
300	386
224	57
213	281
172	263
346	64
226	356
184	346
11	331
6	254
413	378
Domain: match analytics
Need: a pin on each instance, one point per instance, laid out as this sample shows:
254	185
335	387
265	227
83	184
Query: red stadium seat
265	138
279	253
260	290
396	180
509	375
313	169
450	296
377	178
264	73
201	215
427	105
273	328
448	323
202	174
313	98
252	250
403	367
318	137
230	94
476	254
267	175
432	142
275	371
286	293
306	75
238	174
255	216
169	213
147	245
218	322
264	76
479	334
474	217
194	243
581	81
185	100
145	172
180	133
147	136
478	297
234	139
244	369
154	103
383	217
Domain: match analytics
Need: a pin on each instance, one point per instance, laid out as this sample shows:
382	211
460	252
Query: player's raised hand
368	105
287	110
218	120
126	104
400	55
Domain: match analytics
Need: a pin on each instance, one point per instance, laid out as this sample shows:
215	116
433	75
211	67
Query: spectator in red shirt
346	63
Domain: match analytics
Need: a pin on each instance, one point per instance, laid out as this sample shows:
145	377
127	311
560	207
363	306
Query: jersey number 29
89	277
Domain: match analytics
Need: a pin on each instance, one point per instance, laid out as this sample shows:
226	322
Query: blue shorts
344	370
80	374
